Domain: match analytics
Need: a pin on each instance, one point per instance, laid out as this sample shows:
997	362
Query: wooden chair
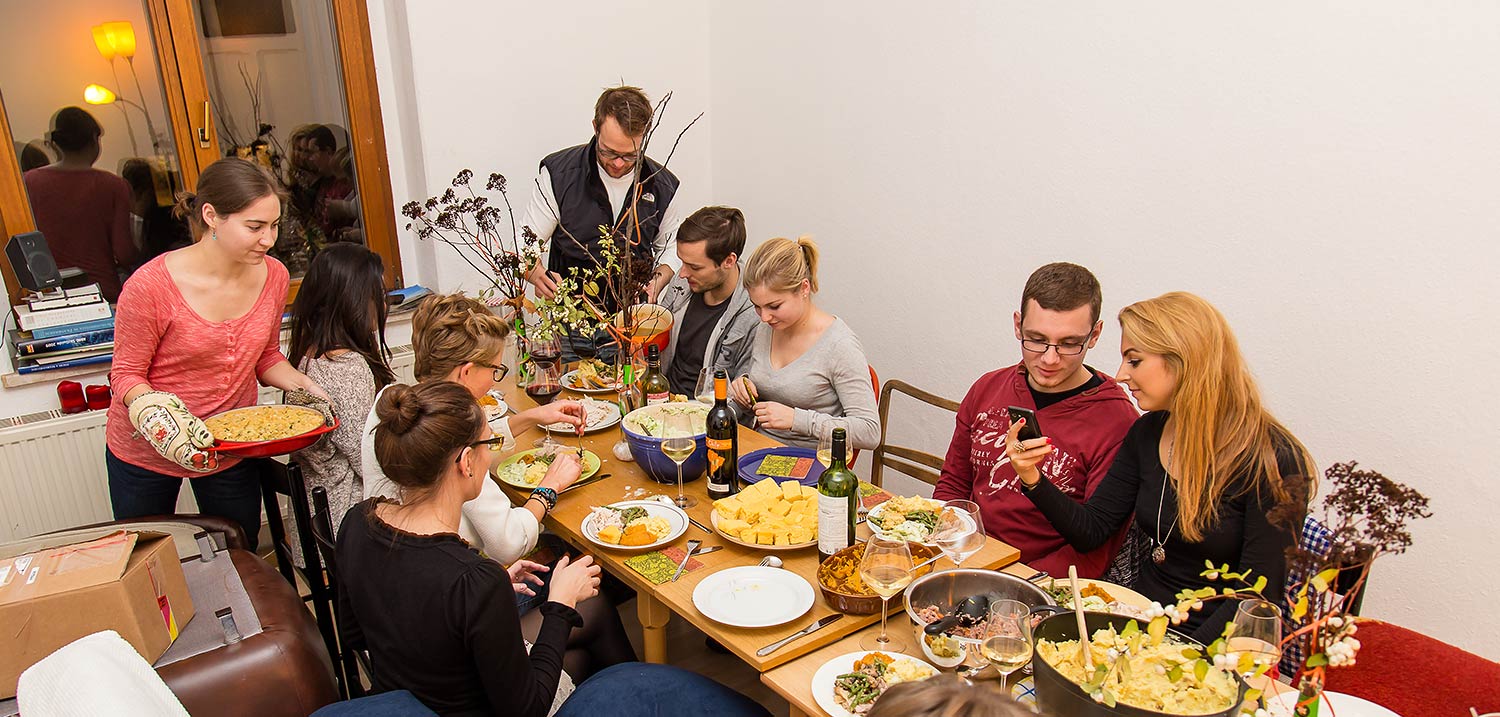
278	479
349	659
875	383
917	464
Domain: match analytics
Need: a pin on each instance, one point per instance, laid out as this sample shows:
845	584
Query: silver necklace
1159	553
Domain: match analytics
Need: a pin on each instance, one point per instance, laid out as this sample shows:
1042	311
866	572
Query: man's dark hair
722	227
1061	286
628	105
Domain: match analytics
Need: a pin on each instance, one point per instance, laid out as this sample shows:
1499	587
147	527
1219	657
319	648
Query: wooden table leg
653	616
792	711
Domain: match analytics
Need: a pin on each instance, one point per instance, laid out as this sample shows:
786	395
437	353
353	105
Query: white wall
1326	173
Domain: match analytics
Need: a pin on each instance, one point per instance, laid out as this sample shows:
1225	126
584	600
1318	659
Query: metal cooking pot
947	588
1059	696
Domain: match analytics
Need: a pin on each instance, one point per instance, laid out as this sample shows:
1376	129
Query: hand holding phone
1032	430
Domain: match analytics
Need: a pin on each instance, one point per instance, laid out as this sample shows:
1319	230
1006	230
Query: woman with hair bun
195	330
807	369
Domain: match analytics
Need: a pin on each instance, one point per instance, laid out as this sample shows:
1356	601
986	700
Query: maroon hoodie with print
1085	430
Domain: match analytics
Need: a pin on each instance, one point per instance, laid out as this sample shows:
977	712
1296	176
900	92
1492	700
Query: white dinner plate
600	415
674	515
822	681
879	508
753	596
1332	703
570	382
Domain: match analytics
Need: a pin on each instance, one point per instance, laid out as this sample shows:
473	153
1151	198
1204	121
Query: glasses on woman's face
501	371
495	445
1067	348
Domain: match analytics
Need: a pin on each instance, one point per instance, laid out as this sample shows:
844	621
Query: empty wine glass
1256	635
960	530
704	391
886	569
543	385
1007	638
678	426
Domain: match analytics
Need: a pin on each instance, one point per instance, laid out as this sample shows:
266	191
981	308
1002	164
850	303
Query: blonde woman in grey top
808	372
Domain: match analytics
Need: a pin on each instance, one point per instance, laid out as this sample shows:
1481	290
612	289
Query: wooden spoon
1084	642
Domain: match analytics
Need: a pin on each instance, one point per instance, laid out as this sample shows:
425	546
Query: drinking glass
1007	639
886	569
543	385
678	448
545	352
1257	633
825	447
704	391
960	530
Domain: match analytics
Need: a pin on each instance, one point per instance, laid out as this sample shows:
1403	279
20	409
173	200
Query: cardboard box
128	582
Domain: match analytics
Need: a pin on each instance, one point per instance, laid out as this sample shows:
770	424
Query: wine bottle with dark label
838	499
654	386
723	439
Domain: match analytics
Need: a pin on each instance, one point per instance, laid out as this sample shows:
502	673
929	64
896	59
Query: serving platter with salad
850	685
911	519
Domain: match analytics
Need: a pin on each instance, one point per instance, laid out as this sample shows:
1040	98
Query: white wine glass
1007	639
1257	633
704	391
886	569
960	530
679	444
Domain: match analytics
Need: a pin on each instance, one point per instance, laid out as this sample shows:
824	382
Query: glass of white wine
679	426
825	447
1257	633
886	569
1007	639
960	530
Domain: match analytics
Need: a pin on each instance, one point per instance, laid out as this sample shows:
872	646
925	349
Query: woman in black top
1200	471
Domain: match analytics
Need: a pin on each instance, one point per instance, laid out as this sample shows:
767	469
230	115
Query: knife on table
810	629
586	481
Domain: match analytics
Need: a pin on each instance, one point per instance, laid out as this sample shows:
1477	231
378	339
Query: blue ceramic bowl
647	451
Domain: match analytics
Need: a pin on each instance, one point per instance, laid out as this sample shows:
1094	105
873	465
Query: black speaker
32	261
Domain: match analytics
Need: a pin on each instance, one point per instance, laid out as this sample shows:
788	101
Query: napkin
872	499
659	566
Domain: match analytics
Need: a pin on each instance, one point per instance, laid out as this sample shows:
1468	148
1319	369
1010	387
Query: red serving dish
266	449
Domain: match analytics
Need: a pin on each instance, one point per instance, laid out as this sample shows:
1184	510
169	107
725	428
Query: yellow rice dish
1147	684
263	423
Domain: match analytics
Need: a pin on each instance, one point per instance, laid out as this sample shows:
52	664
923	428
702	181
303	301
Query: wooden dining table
656	604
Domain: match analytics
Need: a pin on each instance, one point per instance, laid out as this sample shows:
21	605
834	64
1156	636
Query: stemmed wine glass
704	390
960	530
679	444
1007	638
886	569
1257	633
543	385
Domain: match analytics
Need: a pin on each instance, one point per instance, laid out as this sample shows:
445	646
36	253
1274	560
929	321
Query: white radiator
52	467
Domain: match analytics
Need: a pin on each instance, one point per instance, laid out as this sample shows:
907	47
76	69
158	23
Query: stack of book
63	329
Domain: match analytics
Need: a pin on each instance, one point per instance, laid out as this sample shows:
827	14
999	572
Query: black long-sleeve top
1239	536
440	621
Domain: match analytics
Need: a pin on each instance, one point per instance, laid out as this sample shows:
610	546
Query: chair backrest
278	479
349	659
917	464
875	384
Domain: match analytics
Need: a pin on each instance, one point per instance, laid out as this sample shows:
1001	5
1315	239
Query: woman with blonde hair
1200	471
808	373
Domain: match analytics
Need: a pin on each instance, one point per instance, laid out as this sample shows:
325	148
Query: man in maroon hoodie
1082	412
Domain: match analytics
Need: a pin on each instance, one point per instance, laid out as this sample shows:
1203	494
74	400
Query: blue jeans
232	493
638	689
399	703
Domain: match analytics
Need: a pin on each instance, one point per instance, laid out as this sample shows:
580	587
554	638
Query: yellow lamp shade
115	39
98	95
103	42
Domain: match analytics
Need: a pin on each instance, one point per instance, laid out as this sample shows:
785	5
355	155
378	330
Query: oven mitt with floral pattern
179	436
304	397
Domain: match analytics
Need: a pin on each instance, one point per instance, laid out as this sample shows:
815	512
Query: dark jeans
399	703
233	493
604	346
638	689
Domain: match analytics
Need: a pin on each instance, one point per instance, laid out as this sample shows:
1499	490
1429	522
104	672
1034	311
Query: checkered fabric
1315	538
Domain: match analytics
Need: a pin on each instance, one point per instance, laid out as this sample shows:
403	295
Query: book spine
89	361
53	332
36	347
30	320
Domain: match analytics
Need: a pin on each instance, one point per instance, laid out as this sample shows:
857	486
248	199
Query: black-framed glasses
500	371
494	444
1063	349
608	155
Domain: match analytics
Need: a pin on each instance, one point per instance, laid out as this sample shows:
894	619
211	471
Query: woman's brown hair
945	696
1222	429
451	330
422	428
230	184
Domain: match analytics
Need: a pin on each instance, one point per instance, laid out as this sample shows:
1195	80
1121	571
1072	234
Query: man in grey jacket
712	317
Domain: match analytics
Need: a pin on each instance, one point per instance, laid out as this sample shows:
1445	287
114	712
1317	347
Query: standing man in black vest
581	188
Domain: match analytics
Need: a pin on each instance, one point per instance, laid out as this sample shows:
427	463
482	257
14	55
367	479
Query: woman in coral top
195	330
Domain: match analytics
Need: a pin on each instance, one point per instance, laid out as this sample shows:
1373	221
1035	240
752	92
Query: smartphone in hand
1032	429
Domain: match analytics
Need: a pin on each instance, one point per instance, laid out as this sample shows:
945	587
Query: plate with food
270	430
849	685
494	405
635	525
753	596
525	469
769	516
592	376
598	415
911	519
1098	596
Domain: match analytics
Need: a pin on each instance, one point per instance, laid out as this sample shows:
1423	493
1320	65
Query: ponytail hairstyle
451	330
422	429
1222	429
781	264
230	184
341	306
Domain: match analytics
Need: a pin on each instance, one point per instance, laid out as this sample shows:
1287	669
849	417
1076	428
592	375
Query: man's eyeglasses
500	371
1064	349
608	155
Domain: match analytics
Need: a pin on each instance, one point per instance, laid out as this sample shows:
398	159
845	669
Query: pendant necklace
1159	553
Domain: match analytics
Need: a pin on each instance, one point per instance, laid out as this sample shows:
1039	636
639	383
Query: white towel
95	675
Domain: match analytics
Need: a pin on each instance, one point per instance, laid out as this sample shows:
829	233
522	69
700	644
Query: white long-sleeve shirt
541	214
